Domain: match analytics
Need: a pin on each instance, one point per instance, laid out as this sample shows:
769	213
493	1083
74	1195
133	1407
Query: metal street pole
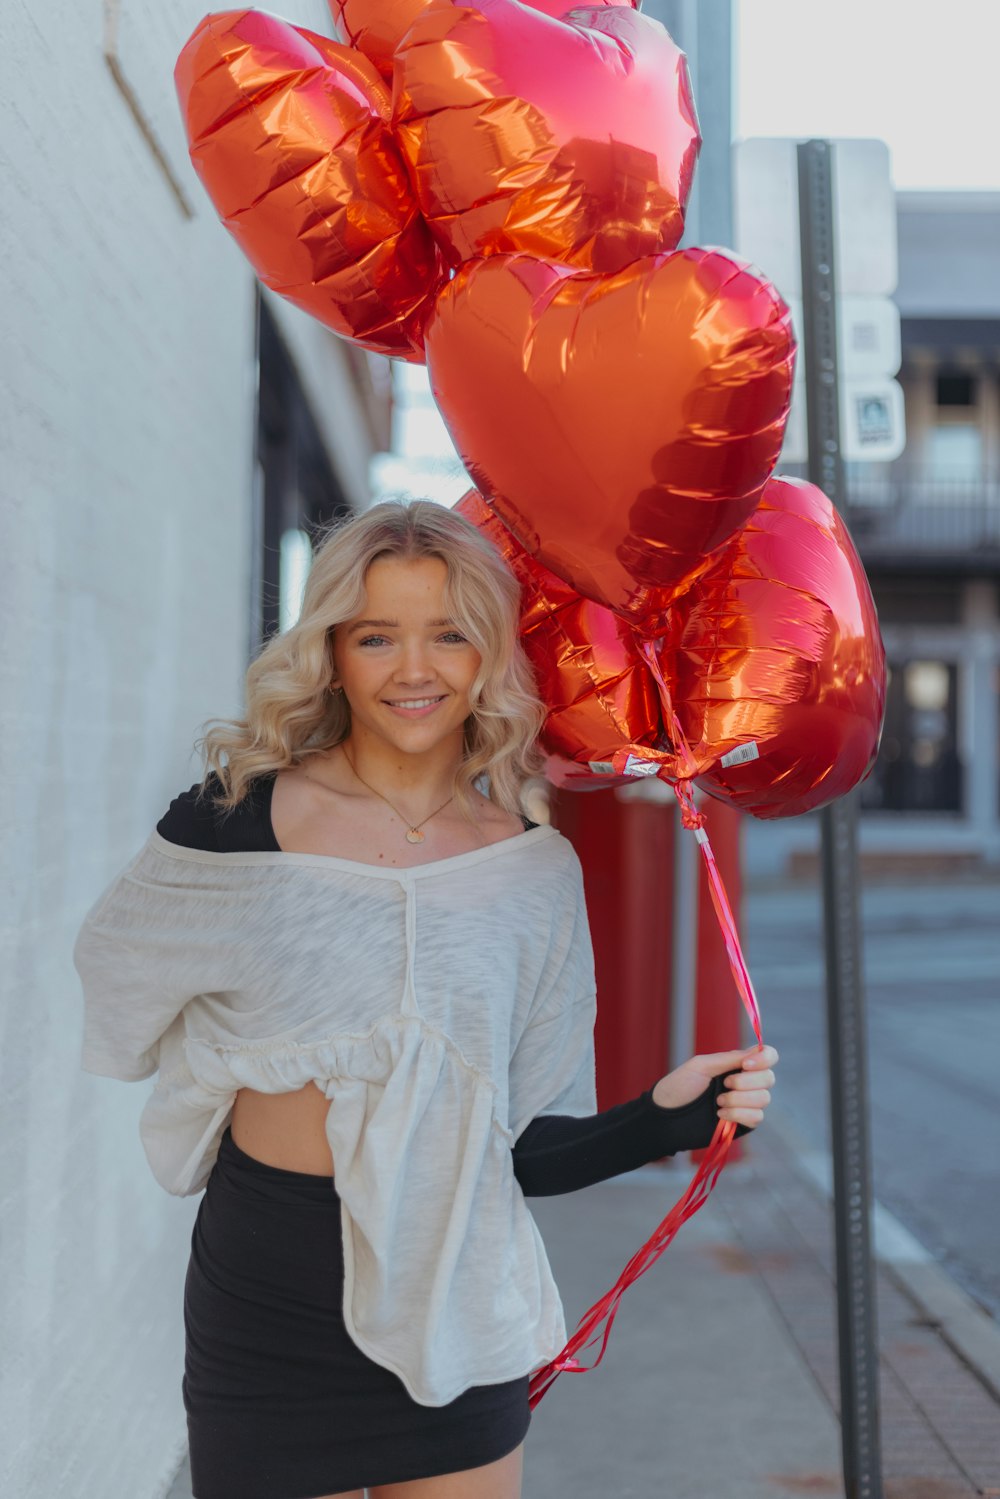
845	1007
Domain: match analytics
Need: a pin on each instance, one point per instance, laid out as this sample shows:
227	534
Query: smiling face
406	669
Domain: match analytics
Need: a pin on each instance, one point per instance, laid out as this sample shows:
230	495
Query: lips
414	702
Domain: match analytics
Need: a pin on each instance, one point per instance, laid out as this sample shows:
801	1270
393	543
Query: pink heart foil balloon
375	27
574	139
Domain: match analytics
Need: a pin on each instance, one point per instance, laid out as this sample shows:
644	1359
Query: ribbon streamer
602	1314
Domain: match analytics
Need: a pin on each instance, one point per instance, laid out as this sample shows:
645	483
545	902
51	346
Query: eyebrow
393	624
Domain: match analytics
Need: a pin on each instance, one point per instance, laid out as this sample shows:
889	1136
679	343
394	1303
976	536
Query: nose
414	668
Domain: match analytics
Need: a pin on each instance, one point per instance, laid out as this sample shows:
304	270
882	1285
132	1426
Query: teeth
414	702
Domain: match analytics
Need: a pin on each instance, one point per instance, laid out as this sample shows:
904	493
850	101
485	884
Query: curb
971	1333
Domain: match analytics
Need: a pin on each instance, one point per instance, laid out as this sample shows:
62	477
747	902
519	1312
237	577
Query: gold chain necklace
413	833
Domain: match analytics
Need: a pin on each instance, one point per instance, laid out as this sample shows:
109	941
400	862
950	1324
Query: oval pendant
414	836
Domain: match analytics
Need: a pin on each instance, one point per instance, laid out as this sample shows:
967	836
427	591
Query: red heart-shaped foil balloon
773	661
376	27
289	133
599	692
622	426
572	138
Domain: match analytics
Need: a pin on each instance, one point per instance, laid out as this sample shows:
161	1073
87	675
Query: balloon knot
691	818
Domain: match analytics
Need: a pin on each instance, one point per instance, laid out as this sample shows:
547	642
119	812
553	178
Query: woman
367	986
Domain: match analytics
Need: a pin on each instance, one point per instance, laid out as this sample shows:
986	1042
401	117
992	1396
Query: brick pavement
940	1424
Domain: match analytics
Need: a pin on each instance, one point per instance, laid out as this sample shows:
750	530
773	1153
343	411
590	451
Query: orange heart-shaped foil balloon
376	27
600	695
572	138
622	426
289	133
773	662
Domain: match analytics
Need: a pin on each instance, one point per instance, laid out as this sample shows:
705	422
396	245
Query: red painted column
625	846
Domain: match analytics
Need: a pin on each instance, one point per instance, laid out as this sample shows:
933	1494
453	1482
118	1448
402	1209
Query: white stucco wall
126	427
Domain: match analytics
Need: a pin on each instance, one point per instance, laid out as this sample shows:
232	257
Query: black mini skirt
280	1402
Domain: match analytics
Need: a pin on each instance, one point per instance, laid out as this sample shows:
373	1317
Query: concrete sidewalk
721	1371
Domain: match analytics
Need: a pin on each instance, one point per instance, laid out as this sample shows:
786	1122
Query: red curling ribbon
597	1322
692	819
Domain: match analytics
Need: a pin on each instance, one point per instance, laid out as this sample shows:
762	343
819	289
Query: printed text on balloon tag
741	756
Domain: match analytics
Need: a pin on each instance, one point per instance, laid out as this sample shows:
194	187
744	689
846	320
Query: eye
454	637
373	640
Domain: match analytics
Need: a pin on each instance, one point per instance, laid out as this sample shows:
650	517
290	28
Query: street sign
872	415
872	421
868	341
766	199
766	189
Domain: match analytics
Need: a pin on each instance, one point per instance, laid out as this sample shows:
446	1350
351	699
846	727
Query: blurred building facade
928	530
168	443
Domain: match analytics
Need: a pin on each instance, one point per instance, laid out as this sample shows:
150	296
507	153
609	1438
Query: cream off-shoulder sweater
440	1009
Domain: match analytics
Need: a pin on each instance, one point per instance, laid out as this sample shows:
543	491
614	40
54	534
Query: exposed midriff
284	1129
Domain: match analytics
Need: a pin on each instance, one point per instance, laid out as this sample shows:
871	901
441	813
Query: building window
956	390
918	769
296	488
955	438
955	451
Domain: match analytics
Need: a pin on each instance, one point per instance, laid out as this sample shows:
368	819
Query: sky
922	77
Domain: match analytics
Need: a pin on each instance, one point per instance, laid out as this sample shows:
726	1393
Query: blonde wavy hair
290	712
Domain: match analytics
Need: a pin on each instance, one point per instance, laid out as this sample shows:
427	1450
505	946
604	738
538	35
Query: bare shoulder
317	772
493	822
314	813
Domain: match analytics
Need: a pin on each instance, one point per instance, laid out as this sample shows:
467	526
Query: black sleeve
557	1153
190	822
195	823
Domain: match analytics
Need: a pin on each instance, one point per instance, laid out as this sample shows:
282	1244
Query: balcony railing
914	514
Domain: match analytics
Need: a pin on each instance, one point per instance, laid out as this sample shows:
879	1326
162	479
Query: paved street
932	957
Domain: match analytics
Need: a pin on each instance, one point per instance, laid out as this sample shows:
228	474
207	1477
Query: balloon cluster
498	188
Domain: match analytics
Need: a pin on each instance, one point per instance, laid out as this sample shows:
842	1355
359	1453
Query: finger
750	1079
758	1099
750	1117
765	1057
714	1062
